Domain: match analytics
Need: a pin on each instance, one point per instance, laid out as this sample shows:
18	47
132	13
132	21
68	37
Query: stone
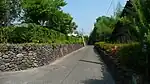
35	61
10	52
5	56
24	52
12	60
15	57
2	67
33	58
12	55
19	55
20	47
7	60
19	59
13	70
2	62
6	64
1	58
16	69
1	54
35	64
30	54
7	69
13	65
18	63
23	60
34	54
28	62
10	66
9	55
30	51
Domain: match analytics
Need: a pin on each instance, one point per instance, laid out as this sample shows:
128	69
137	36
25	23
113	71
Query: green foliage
86	39
130	24
32	33
5	34
2	11
9	11
102	29
50	24
142	16
108	46
48	13
130	55
41	12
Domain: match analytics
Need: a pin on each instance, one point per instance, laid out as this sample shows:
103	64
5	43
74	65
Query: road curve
81	67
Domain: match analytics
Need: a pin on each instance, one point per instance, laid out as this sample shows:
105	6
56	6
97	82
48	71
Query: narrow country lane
80	67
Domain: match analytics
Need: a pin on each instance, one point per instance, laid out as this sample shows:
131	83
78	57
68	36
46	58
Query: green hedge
130	55
107	46
32	33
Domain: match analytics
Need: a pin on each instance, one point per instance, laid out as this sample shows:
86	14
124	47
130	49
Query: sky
85	12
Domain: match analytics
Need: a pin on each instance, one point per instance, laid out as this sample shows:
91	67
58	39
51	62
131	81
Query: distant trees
102	29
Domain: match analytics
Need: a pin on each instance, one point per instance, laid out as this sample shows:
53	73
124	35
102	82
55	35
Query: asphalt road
80	67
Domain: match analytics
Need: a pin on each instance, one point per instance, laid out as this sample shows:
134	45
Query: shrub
133	57
129	55
107	46
32	33
5	34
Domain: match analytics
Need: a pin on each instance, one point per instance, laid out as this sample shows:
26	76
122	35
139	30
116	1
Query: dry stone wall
16	57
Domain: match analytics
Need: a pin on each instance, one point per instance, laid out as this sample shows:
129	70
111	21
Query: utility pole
83	38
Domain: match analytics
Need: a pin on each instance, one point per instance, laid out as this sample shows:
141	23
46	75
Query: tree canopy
129	24
40	21
102	29
48	13
9	11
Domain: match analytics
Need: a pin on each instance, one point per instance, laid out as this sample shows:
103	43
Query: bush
133	57
107	46
32	33
5	34
129	55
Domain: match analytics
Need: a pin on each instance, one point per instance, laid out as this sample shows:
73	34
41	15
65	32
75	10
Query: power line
109	7
114	8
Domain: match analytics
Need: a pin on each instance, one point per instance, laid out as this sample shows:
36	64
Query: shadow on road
93	81
90	62
105	79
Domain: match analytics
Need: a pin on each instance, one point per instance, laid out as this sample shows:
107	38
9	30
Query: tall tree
48	13
126	27
39	11
102	29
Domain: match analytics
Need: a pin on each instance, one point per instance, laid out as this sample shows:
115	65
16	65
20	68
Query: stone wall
15	57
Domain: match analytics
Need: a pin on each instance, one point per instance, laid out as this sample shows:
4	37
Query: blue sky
85	12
